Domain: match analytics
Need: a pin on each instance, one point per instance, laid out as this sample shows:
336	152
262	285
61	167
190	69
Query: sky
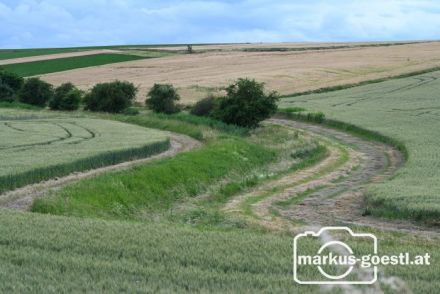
64	23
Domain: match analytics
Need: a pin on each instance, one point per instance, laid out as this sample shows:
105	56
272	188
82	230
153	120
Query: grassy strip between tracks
158	185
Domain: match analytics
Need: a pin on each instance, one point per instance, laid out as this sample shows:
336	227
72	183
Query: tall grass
10	182
158	185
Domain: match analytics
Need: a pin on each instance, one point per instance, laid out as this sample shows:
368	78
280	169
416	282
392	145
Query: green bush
112	97
204	107
162	98
246	104
36	92
7	94
14	81
66	97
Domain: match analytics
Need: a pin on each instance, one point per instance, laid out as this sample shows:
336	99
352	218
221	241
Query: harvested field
287	72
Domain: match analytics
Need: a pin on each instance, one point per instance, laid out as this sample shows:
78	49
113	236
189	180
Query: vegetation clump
12	80
36	92
66	97
113	97
246	104
205	107
162	98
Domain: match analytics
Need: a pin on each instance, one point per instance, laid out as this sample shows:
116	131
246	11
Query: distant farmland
288	72
62	64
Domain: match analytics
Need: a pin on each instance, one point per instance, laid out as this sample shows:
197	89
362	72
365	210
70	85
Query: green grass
158	185
62	64
405	112
35	148
51	254
19	53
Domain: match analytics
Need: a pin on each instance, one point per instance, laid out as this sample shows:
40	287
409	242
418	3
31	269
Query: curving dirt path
22	198
327	193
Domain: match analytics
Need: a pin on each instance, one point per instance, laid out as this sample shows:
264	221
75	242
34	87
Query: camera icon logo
318	259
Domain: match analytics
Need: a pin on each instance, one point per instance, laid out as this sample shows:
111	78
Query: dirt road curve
327	193
22	198
55	56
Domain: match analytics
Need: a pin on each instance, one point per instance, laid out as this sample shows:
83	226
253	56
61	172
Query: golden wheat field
287	72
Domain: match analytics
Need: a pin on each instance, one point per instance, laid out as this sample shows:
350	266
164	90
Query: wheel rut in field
22	198
327	193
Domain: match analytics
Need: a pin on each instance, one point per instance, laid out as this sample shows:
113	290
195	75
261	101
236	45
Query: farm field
405	109
66	63
196	75
54	55
35	147
178	242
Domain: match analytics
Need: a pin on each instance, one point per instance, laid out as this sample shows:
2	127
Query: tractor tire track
338	196
22	198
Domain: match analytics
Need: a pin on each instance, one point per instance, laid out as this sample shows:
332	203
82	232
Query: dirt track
55	56
22	198
195	75
335	194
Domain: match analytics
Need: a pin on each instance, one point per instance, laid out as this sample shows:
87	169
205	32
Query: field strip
22	198
331	197
56	56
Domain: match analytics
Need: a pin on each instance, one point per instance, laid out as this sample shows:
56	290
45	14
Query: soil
336	197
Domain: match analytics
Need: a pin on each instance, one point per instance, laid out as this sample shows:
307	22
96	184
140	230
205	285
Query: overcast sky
62	23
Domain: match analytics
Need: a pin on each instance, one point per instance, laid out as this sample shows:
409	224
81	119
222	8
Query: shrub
7	94
112	97
36	92
204	107
162	98
66	97
14	81
246	104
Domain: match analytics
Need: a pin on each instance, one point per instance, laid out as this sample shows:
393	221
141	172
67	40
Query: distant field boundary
331	47
362	83
349	128
11	182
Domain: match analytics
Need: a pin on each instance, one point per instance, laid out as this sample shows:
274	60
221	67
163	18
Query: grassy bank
62	64
156	186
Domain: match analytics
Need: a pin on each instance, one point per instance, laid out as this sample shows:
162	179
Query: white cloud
54	23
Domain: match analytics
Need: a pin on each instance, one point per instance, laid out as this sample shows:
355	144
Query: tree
14	81
36	92
246	104
66	97
162	98
112	97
